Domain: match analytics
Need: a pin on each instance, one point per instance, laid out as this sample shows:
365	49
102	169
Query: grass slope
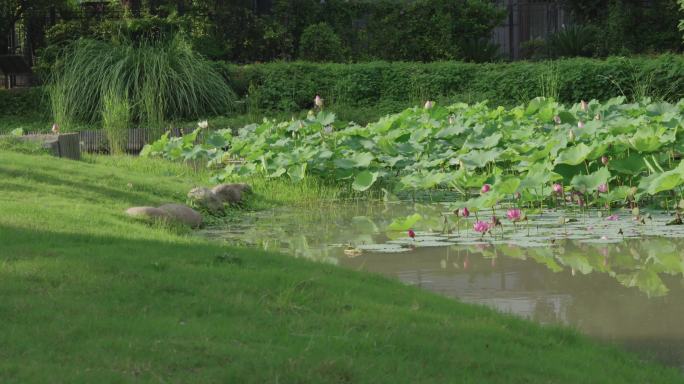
91	296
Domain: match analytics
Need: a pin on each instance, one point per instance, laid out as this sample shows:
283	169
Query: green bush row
288	86
387	86
24	102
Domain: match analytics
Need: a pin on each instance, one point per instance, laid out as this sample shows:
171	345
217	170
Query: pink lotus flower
481	227
513	214
580	124
584	106
557	119
318	101
412	234
612	218
486	188
429	104
557	188
465	212
603	188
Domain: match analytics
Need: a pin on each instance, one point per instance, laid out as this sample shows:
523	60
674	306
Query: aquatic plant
534	153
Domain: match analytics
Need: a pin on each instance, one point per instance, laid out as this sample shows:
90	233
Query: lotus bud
452	120
517	195
465	212
55	128
603	188
318	101
485	188
557	119
571	136
580	124
557	188
203	124
429	104
584	106
604	160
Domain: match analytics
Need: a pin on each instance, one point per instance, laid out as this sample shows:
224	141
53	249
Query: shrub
163	81
574	41
320	43
291	86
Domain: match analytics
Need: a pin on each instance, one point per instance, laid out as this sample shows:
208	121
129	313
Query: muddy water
612	277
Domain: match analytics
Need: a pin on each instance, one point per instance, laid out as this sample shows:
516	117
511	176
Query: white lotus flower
203	124
318	101
429	104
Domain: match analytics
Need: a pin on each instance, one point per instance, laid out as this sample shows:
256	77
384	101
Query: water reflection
624	287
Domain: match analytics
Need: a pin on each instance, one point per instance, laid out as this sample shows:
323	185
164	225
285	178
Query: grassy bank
91	296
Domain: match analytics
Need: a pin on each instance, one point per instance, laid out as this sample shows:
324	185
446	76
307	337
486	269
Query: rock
148	213
183	214
205	198
230	193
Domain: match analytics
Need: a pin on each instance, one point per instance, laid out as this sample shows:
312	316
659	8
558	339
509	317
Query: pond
614	277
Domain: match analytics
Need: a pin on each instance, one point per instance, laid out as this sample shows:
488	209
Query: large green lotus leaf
451	131
646	139
479	158
665	181
631	165
577	261
483	142
574	155
362	159
589	183
507	186
537	176
405	223
619	193
297	172
364	180
567	118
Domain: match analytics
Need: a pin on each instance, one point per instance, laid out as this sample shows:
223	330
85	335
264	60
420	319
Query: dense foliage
289	86
155	82
612	152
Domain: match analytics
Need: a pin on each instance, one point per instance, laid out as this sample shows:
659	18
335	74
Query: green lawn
88	295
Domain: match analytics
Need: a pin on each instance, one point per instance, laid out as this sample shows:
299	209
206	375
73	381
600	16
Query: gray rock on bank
183	214
205	198
148	213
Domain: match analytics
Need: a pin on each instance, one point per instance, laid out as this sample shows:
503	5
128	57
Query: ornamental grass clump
162	81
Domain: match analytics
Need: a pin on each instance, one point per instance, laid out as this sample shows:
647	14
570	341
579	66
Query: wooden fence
96	141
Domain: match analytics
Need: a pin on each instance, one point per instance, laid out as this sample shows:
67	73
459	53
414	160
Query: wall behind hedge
292	85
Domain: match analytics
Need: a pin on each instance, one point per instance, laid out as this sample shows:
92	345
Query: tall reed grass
162	81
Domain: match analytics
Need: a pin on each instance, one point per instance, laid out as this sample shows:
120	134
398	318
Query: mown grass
89	295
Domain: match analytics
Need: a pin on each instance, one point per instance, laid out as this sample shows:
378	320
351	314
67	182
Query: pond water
613	277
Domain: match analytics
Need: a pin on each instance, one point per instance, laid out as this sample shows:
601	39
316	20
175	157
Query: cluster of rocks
215	199
212	200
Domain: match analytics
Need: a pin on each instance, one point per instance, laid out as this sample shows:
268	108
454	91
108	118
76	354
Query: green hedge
24	102
388	87
292	85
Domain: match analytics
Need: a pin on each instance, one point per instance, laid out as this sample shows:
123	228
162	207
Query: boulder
148	213
205	198
183	214
231	193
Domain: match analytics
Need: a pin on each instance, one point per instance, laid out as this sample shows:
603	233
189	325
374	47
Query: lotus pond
565	214
612	277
